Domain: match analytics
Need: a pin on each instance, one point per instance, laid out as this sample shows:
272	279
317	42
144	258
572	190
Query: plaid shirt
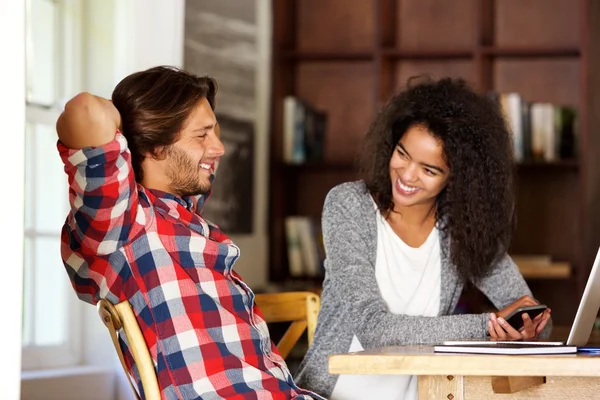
122	241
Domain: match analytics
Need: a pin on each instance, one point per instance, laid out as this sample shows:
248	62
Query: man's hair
476	209
154	105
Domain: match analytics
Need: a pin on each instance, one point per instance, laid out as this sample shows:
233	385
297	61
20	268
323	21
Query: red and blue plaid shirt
122	241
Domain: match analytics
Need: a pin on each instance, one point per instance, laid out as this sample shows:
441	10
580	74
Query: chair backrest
299	308
121	316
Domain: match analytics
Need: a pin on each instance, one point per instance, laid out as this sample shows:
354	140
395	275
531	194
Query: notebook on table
578	336
506	348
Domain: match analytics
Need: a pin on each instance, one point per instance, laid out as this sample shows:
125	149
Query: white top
409	283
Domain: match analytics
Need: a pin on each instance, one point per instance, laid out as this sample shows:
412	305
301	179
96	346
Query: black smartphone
515	319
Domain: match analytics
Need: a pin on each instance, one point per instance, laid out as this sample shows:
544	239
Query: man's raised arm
87	121
102	187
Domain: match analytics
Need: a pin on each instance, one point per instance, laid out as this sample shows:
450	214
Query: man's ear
158	154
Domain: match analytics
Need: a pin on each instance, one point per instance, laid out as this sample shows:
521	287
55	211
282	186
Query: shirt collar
188	202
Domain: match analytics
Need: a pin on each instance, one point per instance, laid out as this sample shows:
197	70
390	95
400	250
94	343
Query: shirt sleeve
102	195
504	284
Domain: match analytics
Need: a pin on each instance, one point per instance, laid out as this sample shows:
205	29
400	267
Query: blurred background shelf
530	52
431	54
567	165
556	270
326	56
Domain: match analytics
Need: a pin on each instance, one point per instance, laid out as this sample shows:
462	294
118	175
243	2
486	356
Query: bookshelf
347	57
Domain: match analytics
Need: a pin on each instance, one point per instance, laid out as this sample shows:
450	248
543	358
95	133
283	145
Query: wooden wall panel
552	80
313	187
436	24
437	69
561	296
547	213
545	23
335	25
345	92
305	187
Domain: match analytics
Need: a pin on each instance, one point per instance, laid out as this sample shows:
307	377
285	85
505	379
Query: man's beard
184	174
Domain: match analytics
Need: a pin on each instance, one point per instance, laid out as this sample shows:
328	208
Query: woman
435	208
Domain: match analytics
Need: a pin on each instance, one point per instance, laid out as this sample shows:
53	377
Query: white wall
253	262
126	36
263	113
12	112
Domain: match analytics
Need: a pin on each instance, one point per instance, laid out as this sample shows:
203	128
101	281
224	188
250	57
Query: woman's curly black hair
476	209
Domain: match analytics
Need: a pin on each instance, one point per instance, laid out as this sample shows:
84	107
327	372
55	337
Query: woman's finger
539	317
492	331
528	331
543	322
511	332
500	332
492	327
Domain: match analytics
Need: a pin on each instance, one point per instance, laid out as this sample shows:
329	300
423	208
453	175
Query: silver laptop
588	308
584	319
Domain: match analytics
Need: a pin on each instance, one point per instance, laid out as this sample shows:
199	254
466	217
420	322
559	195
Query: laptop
580	330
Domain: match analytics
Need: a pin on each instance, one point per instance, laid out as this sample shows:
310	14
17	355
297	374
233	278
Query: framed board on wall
231	203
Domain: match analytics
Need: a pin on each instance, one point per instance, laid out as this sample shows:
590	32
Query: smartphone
515	319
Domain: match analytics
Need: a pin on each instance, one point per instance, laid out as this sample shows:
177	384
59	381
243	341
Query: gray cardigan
352	305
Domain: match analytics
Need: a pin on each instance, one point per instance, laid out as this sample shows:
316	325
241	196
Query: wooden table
480	377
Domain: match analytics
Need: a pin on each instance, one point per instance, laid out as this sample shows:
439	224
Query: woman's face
418	170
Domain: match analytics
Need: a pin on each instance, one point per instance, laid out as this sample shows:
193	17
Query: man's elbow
75	108
81	105
75	125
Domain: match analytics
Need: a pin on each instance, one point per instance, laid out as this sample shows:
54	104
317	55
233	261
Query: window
51	311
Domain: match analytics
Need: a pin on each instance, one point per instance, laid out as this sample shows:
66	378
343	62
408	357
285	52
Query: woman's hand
499	329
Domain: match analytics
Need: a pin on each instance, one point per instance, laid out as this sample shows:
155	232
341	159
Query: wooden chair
299	308
121	316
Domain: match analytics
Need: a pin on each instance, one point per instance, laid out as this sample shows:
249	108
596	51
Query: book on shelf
305	250
541	131
303	131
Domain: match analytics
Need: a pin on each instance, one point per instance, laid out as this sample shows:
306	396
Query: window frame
68	69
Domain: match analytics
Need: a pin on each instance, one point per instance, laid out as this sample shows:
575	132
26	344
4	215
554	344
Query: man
139	169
